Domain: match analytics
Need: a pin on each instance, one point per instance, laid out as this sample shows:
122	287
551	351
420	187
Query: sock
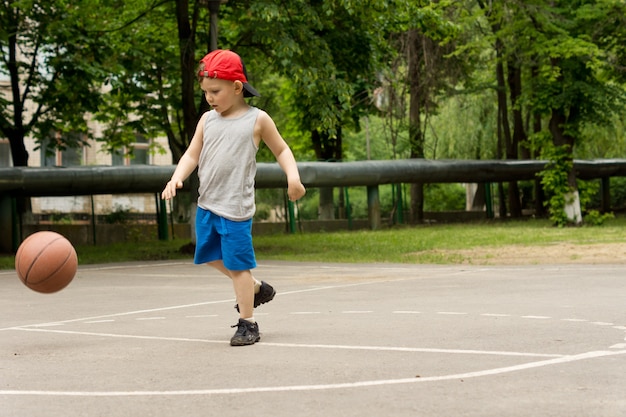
251	320
257	285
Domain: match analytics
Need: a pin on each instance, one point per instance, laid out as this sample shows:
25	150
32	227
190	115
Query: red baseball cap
226	65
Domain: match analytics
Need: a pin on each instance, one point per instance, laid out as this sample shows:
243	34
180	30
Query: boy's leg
247	328
240	283
259	297
236	260
243	284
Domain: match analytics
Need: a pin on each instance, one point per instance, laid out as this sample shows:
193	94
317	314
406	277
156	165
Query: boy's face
221	94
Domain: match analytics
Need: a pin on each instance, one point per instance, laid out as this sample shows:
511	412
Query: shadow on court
152	339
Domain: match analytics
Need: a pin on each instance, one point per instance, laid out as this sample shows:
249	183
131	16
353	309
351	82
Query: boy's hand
170	189
295	190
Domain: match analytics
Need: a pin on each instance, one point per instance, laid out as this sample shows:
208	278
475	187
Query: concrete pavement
151	339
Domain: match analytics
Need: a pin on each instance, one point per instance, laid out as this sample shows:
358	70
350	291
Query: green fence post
161	218
93	222
348	208
400	209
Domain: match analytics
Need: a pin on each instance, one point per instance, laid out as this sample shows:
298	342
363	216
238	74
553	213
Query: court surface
152	339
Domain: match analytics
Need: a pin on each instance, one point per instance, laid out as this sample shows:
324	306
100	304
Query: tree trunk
19	154
418	95
561	139
540	209
328	149
503	110
187	50
519	136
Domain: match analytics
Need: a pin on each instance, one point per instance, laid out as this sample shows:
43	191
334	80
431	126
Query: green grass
419	244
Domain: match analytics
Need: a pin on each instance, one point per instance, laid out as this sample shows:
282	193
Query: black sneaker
247	333
265	295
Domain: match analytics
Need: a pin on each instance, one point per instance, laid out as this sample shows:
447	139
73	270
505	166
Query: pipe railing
92	180
47	181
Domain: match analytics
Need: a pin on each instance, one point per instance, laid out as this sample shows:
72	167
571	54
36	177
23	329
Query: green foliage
67	56
587	189
618	192
595	218
60	218
464	128
554	179
120	215
438	197
555	183
325	50
421	244
317	64
263	211
603	140
444	197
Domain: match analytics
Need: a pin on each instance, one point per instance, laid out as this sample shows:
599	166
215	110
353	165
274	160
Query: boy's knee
245	274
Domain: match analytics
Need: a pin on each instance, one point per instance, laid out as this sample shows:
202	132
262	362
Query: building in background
79	208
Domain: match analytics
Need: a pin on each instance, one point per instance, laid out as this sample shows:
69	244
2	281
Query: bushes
437	197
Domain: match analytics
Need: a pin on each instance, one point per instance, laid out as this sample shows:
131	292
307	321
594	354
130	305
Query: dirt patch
610	253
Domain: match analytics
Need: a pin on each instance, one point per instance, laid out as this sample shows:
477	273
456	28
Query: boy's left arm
269	134
295	188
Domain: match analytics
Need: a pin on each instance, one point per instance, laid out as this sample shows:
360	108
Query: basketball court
152	339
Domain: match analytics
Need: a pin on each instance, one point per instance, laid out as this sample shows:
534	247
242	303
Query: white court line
345	385
132	266
303	345
177	307
128	313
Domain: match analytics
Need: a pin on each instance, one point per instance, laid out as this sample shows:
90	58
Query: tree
326	50
55	71
560	64
432	69
152	89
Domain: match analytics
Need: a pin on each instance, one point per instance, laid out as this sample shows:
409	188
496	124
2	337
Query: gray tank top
227	165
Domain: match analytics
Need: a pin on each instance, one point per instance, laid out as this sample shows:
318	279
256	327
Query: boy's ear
238	87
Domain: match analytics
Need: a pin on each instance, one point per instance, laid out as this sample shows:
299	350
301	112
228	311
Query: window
49	158
141	153
71	157
118	158
54	157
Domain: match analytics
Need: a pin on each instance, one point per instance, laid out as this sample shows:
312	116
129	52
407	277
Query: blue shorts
218	238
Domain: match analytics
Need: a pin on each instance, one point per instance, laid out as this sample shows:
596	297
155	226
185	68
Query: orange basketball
46	262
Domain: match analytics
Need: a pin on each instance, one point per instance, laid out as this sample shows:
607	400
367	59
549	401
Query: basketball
46	262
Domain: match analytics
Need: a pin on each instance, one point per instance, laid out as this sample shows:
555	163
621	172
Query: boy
224	148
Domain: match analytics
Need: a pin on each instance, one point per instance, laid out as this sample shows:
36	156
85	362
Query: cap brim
249	91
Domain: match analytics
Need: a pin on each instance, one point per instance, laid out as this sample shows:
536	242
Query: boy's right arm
187	163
